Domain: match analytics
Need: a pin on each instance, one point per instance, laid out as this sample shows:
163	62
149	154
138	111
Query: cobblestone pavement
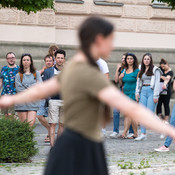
138	158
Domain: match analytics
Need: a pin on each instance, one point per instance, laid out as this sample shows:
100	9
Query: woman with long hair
168	141
116	113
165	94
86	93
52	49
119	69
129	78
27	77
147	89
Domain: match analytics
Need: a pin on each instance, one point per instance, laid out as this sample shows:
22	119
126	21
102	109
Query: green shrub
16	141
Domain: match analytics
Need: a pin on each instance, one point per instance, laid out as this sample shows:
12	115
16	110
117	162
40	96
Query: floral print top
8	80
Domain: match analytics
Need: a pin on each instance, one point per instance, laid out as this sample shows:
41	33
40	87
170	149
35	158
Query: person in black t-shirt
165	95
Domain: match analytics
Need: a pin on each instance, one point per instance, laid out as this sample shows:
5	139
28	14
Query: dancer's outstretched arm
34	93
114	98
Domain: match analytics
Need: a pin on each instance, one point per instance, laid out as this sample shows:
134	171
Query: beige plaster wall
136	20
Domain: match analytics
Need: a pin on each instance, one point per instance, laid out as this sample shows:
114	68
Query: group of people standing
15	79
146	84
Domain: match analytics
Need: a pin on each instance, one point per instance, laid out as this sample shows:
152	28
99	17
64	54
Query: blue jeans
168	140
116	121
146	99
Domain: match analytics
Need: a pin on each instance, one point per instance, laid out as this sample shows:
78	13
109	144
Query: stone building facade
140	26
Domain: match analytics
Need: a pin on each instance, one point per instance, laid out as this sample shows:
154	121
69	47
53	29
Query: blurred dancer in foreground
87	95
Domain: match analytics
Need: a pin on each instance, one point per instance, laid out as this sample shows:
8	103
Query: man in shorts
43	109
55	111
7	80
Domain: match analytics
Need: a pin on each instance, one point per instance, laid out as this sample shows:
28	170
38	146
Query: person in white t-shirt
105	70
103	67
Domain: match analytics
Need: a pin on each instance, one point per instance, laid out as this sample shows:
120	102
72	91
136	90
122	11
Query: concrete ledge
70	1
159	6
39	50
108	3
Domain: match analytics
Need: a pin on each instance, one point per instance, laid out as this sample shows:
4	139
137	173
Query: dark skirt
75	155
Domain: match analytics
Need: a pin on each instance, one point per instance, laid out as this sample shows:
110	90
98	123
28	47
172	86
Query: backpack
21	77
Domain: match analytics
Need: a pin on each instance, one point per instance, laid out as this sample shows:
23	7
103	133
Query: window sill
108	3
160	6
70	1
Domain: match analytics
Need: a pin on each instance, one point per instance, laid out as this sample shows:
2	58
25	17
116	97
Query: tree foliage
170	3
28	5
38	5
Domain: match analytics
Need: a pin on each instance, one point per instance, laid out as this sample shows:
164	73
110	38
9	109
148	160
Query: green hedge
16	141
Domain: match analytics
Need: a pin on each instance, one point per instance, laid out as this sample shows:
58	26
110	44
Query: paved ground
125	157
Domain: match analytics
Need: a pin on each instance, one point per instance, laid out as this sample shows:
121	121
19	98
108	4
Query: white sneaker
141	137
114	135
162	136
162	149
130	135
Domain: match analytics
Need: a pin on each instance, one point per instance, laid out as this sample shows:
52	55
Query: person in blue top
7	80
129	78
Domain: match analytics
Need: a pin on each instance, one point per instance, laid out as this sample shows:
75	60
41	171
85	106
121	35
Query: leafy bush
28	5
16	141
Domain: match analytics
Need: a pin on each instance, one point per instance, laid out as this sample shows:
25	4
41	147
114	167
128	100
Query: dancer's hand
6	101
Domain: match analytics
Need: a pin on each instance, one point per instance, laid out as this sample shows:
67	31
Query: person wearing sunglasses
52	49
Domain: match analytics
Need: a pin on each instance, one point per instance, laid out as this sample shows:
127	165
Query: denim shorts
42	109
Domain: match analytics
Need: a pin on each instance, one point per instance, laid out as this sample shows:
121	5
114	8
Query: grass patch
130	165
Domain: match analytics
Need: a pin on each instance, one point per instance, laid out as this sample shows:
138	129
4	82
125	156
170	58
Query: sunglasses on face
148	54
26	54
130	54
